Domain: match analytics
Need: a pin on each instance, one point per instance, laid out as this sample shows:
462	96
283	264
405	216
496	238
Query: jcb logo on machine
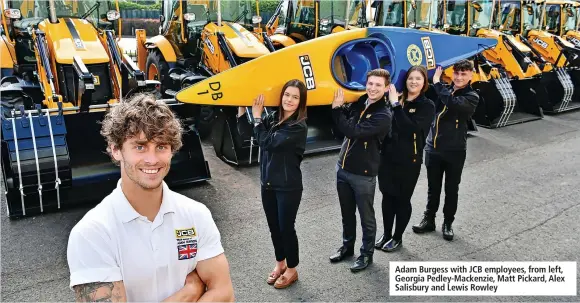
209	45
307	72
78	43
185	233
575	41
96	80
541	43
429	53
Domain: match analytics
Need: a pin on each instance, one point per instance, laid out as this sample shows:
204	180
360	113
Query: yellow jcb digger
500	103
293	21
65	70
563	19
556	57
198	39
417	14
304	20
509	82
398	13
569	28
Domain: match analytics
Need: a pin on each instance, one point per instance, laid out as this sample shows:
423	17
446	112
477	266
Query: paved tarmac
519	201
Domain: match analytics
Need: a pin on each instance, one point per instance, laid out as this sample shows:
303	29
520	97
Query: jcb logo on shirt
185	233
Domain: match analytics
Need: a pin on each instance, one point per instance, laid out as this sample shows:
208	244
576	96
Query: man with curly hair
145	242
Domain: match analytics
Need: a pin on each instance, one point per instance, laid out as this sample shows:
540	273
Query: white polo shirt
112	242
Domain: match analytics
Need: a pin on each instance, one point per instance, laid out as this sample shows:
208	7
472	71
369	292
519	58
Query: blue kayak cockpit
353	60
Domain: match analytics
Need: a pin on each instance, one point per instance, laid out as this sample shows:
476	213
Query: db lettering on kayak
214	87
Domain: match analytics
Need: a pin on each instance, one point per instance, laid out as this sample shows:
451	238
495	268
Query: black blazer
409	131
364	131
453	111
281	150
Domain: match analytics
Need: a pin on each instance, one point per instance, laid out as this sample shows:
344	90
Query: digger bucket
242	149
51	160
575	75
560	91
506	102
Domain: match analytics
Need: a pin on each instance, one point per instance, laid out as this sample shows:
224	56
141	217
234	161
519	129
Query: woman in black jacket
402	155
281	136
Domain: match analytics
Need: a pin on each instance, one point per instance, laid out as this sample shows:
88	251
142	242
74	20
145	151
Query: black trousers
450	166
281	208
357	191
397	183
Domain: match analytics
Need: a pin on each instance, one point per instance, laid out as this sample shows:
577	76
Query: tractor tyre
10	101
204	122
156	68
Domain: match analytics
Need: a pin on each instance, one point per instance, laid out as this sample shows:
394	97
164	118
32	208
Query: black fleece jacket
453	109
364	131
411	122
281	150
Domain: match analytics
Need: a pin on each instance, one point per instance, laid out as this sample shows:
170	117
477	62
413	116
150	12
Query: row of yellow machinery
534	68
62	67
187	51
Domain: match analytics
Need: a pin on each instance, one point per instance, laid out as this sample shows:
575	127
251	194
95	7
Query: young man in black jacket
364	124
447	144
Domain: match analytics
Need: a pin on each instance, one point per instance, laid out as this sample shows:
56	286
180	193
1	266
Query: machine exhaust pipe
346	18
52	10
491	15
219	14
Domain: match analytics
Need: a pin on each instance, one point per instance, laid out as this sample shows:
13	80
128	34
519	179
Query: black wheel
204	116
156	68
12	100
205	120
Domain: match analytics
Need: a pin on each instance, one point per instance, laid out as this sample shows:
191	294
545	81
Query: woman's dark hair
417	68
301	106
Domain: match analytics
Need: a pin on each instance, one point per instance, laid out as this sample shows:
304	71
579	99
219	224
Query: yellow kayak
338	60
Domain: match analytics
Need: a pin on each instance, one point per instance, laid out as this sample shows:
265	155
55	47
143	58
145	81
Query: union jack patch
188	251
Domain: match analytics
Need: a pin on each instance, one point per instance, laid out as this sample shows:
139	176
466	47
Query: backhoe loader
500	103
562	18
417	14
65	70
305	20
198	39
508	82
302	20
556	57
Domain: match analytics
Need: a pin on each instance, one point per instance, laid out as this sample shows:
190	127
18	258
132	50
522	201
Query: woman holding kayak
402	155
281	136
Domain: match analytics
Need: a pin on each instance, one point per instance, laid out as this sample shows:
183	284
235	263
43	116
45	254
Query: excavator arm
128	68
44	68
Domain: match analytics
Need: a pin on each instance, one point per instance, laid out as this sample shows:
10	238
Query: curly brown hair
142	113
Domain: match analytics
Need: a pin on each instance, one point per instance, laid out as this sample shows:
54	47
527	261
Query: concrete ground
519	201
